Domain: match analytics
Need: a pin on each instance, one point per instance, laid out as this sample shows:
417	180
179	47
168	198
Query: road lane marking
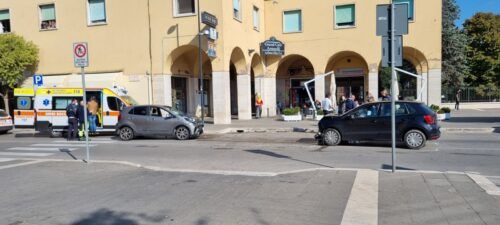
62	145
486	184
19	164
6	159
25	154
362	205
91	141
40	149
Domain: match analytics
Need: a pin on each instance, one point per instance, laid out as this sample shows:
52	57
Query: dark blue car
415	124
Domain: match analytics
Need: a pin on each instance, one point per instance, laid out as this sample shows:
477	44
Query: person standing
258	106
92	107
369	97
71	111
457	99
326	105
350	103
80	114
342	105
385	96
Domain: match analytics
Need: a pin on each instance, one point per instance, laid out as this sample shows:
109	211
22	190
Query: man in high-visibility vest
258	106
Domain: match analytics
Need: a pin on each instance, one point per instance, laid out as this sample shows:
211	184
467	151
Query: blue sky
469	7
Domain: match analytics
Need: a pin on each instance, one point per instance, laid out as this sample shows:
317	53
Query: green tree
454	42
17	57
483	52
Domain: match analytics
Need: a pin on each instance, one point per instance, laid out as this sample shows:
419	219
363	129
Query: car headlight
191	120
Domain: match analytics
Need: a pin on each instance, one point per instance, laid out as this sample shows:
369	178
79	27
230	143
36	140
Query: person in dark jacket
81	120
342	105
350	103
71	111
457	99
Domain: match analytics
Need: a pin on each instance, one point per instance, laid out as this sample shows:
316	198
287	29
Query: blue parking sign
38	79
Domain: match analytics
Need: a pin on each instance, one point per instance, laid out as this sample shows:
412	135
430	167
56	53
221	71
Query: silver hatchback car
156	120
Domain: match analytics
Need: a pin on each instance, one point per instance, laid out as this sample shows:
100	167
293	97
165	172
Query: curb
308	130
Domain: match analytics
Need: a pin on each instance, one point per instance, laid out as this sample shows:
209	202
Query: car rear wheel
331	137
126	133
182	133
414	139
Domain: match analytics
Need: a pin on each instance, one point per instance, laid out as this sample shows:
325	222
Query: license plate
5	122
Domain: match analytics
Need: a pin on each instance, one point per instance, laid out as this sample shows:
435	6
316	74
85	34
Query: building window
410	7
97	11
48	17
237	9
292	21
345	16
256	19
184	7
4	21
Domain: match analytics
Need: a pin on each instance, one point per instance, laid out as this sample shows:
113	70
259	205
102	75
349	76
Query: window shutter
97	10
4	15
344	14
292	21
48	12
256	18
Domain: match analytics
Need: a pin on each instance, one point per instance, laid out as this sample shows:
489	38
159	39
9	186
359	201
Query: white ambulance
45	110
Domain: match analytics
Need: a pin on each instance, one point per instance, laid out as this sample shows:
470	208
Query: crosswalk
40	150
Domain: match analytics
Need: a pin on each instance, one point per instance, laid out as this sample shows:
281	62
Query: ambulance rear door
111	109
24	113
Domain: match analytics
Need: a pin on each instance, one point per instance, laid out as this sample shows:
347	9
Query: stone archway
183	68
351	75
292	72
408	87
240	92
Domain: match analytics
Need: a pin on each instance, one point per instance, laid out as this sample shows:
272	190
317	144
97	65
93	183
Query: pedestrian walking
385	96
326	104
92	107
258	106
71	111
457	99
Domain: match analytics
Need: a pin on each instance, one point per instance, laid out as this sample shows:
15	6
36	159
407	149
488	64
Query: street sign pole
81	59
393	80
85	127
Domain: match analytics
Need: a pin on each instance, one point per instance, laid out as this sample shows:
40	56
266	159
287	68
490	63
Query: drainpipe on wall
150	75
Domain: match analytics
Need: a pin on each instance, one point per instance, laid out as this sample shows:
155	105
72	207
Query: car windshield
129	100
3	113
176	112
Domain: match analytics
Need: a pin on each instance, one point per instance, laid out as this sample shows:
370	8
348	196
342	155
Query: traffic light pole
393	98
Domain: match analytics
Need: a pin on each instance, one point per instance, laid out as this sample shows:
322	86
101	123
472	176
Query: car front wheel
126	133
331	137
415	139
182	133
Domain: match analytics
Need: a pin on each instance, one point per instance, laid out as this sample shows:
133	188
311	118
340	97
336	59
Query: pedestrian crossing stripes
25	154
40	149
47	149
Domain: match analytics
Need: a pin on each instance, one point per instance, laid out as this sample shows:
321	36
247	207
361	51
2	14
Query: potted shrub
434	108
319	114
447	112
292	114
441	115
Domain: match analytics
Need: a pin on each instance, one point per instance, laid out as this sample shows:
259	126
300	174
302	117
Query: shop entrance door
347	86
179	94
298	93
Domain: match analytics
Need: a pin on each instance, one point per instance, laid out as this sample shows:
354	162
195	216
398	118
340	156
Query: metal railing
470	94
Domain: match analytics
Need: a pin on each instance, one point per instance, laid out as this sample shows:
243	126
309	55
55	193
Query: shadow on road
276	155
67	151
492	119
109	217
388	167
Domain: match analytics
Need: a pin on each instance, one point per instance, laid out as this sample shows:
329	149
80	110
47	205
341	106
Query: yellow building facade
150	48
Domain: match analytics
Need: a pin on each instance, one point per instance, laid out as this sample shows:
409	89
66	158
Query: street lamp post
200	68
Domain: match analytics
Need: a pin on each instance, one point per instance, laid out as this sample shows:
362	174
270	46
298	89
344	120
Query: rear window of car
139	111
3	113
423	108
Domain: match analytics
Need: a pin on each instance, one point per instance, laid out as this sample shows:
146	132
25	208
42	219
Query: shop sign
272	47
211	49
209	19
350	72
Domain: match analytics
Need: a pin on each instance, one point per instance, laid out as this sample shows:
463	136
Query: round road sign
80	50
